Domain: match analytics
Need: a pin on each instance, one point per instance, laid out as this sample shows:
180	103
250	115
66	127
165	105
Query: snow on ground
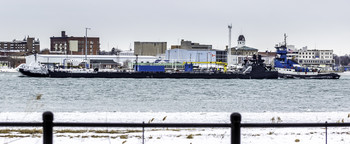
11	135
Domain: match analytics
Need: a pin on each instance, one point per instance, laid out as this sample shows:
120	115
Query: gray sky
321	24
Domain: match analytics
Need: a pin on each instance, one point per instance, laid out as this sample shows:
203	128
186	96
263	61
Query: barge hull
267	75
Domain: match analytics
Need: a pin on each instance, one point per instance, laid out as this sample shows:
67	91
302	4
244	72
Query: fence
235	126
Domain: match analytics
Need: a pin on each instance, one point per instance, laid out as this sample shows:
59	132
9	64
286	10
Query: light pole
87	65
229	46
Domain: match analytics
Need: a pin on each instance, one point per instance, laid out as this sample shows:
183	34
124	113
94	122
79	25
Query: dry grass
21	131
190	136
123	136
14	136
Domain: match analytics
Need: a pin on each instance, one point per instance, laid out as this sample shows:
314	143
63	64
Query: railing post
236	128
143	132
326	132
47	127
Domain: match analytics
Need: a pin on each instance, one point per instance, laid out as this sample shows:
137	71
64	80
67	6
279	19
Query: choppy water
172	95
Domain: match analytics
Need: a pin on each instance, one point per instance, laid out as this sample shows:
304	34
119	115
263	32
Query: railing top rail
21	124
252	125
57	124
204	125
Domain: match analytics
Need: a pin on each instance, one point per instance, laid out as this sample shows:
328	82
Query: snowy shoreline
179	135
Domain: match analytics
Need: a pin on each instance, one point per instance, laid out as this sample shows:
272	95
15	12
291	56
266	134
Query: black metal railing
235	126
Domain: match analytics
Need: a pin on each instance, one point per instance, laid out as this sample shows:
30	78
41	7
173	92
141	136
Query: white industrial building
190	55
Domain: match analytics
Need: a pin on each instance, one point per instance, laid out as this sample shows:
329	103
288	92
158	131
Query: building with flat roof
189	45
185	55
149	48
26	46
315	58
12	52
74	45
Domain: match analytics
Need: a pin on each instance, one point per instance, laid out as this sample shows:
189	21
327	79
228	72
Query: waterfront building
188	51
149	48
12	52
74	45
190	55
315	58
26	46
241	51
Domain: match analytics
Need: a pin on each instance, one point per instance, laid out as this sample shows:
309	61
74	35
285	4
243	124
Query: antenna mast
285	39
229	35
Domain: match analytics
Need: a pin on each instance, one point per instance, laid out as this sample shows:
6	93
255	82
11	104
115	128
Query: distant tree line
114	51
342	60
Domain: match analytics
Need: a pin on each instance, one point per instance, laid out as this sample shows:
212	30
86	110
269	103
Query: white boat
33	69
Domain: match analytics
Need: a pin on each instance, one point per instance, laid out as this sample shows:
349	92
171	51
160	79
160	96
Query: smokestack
63	34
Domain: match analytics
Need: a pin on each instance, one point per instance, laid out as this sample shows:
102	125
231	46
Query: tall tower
229	59
241	41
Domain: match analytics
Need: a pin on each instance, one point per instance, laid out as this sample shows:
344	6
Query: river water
26	94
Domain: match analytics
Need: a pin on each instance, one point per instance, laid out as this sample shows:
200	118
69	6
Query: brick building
12	53
26	46
74	45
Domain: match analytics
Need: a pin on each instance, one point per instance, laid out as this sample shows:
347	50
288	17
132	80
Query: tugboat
289	68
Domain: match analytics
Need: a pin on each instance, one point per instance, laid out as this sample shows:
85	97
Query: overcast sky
321	24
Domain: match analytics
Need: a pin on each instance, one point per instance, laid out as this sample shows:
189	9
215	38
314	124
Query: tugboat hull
318	76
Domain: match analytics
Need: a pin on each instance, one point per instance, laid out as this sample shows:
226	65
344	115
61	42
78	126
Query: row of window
312	53
61	46
14	48
246	53
314	61
326	57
